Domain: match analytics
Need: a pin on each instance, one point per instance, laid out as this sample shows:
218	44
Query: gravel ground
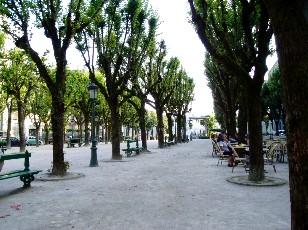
178	187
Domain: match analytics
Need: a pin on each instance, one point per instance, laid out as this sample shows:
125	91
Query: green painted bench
168	143
74	141
129	149
125	138
2	143
3	149
26	175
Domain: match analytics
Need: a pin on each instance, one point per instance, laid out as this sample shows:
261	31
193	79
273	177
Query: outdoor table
240	149
264	149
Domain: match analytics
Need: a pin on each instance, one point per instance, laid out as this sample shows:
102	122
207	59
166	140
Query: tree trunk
184	128
57	121
108	134
115	132
37	129
141	114
242	116
290	23
21	124
9	125
256	172
97	132
46	129
179	128
170	124
231	121
160	127
103	132
86	128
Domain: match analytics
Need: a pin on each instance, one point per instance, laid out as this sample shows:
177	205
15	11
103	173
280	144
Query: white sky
183	42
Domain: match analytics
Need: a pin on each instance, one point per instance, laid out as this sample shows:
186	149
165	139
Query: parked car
32	141
14	142
2	142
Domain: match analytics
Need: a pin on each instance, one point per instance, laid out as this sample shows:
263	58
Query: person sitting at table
224	146
247	139
219	138
214	137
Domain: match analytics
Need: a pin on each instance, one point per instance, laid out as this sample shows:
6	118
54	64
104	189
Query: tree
2	92
272	94
78	100
163	75
121	34
290	23
18	73
39	109
180	100
150	123
59	24
224	90
237	34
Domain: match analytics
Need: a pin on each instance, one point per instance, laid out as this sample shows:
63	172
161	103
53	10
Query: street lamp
72	122
92	88
175	135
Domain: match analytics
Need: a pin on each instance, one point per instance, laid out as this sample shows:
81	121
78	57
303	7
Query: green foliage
39	108
211	122
183	93
272	94
224	87
151	120
18	75
129	115
2	42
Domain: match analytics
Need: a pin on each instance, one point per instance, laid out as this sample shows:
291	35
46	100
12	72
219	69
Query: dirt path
179	187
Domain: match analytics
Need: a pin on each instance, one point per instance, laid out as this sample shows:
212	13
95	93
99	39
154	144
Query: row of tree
237	35
227	98
117	40
22	90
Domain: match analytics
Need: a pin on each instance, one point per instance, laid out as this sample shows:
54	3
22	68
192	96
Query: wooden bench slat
5	157
129	150
18	173
26	175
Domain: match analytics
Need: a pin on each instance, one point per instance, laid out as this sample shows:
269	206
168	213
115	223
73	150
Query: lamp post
72	122
175	136
92	88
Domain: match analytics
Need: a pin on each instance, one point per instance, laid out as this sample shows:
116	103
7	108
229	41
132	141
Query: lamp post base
93	161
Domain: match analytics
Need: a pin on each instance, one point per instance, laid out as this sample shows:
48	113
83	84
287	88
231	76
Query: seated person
216	148
234	139
224	146
214	137
220	137
247	139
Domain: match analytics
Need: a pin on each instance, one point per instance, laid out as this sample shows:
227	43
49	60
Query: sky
183	42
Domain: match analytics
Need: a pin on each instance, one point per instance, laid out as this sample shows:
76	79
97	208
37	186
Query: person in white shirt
224	146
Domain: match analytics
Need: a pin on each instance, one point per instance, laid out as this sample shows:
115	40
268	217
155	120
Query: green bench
125	138
129	149
2	143
26	175
74	141
3	149
168	143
